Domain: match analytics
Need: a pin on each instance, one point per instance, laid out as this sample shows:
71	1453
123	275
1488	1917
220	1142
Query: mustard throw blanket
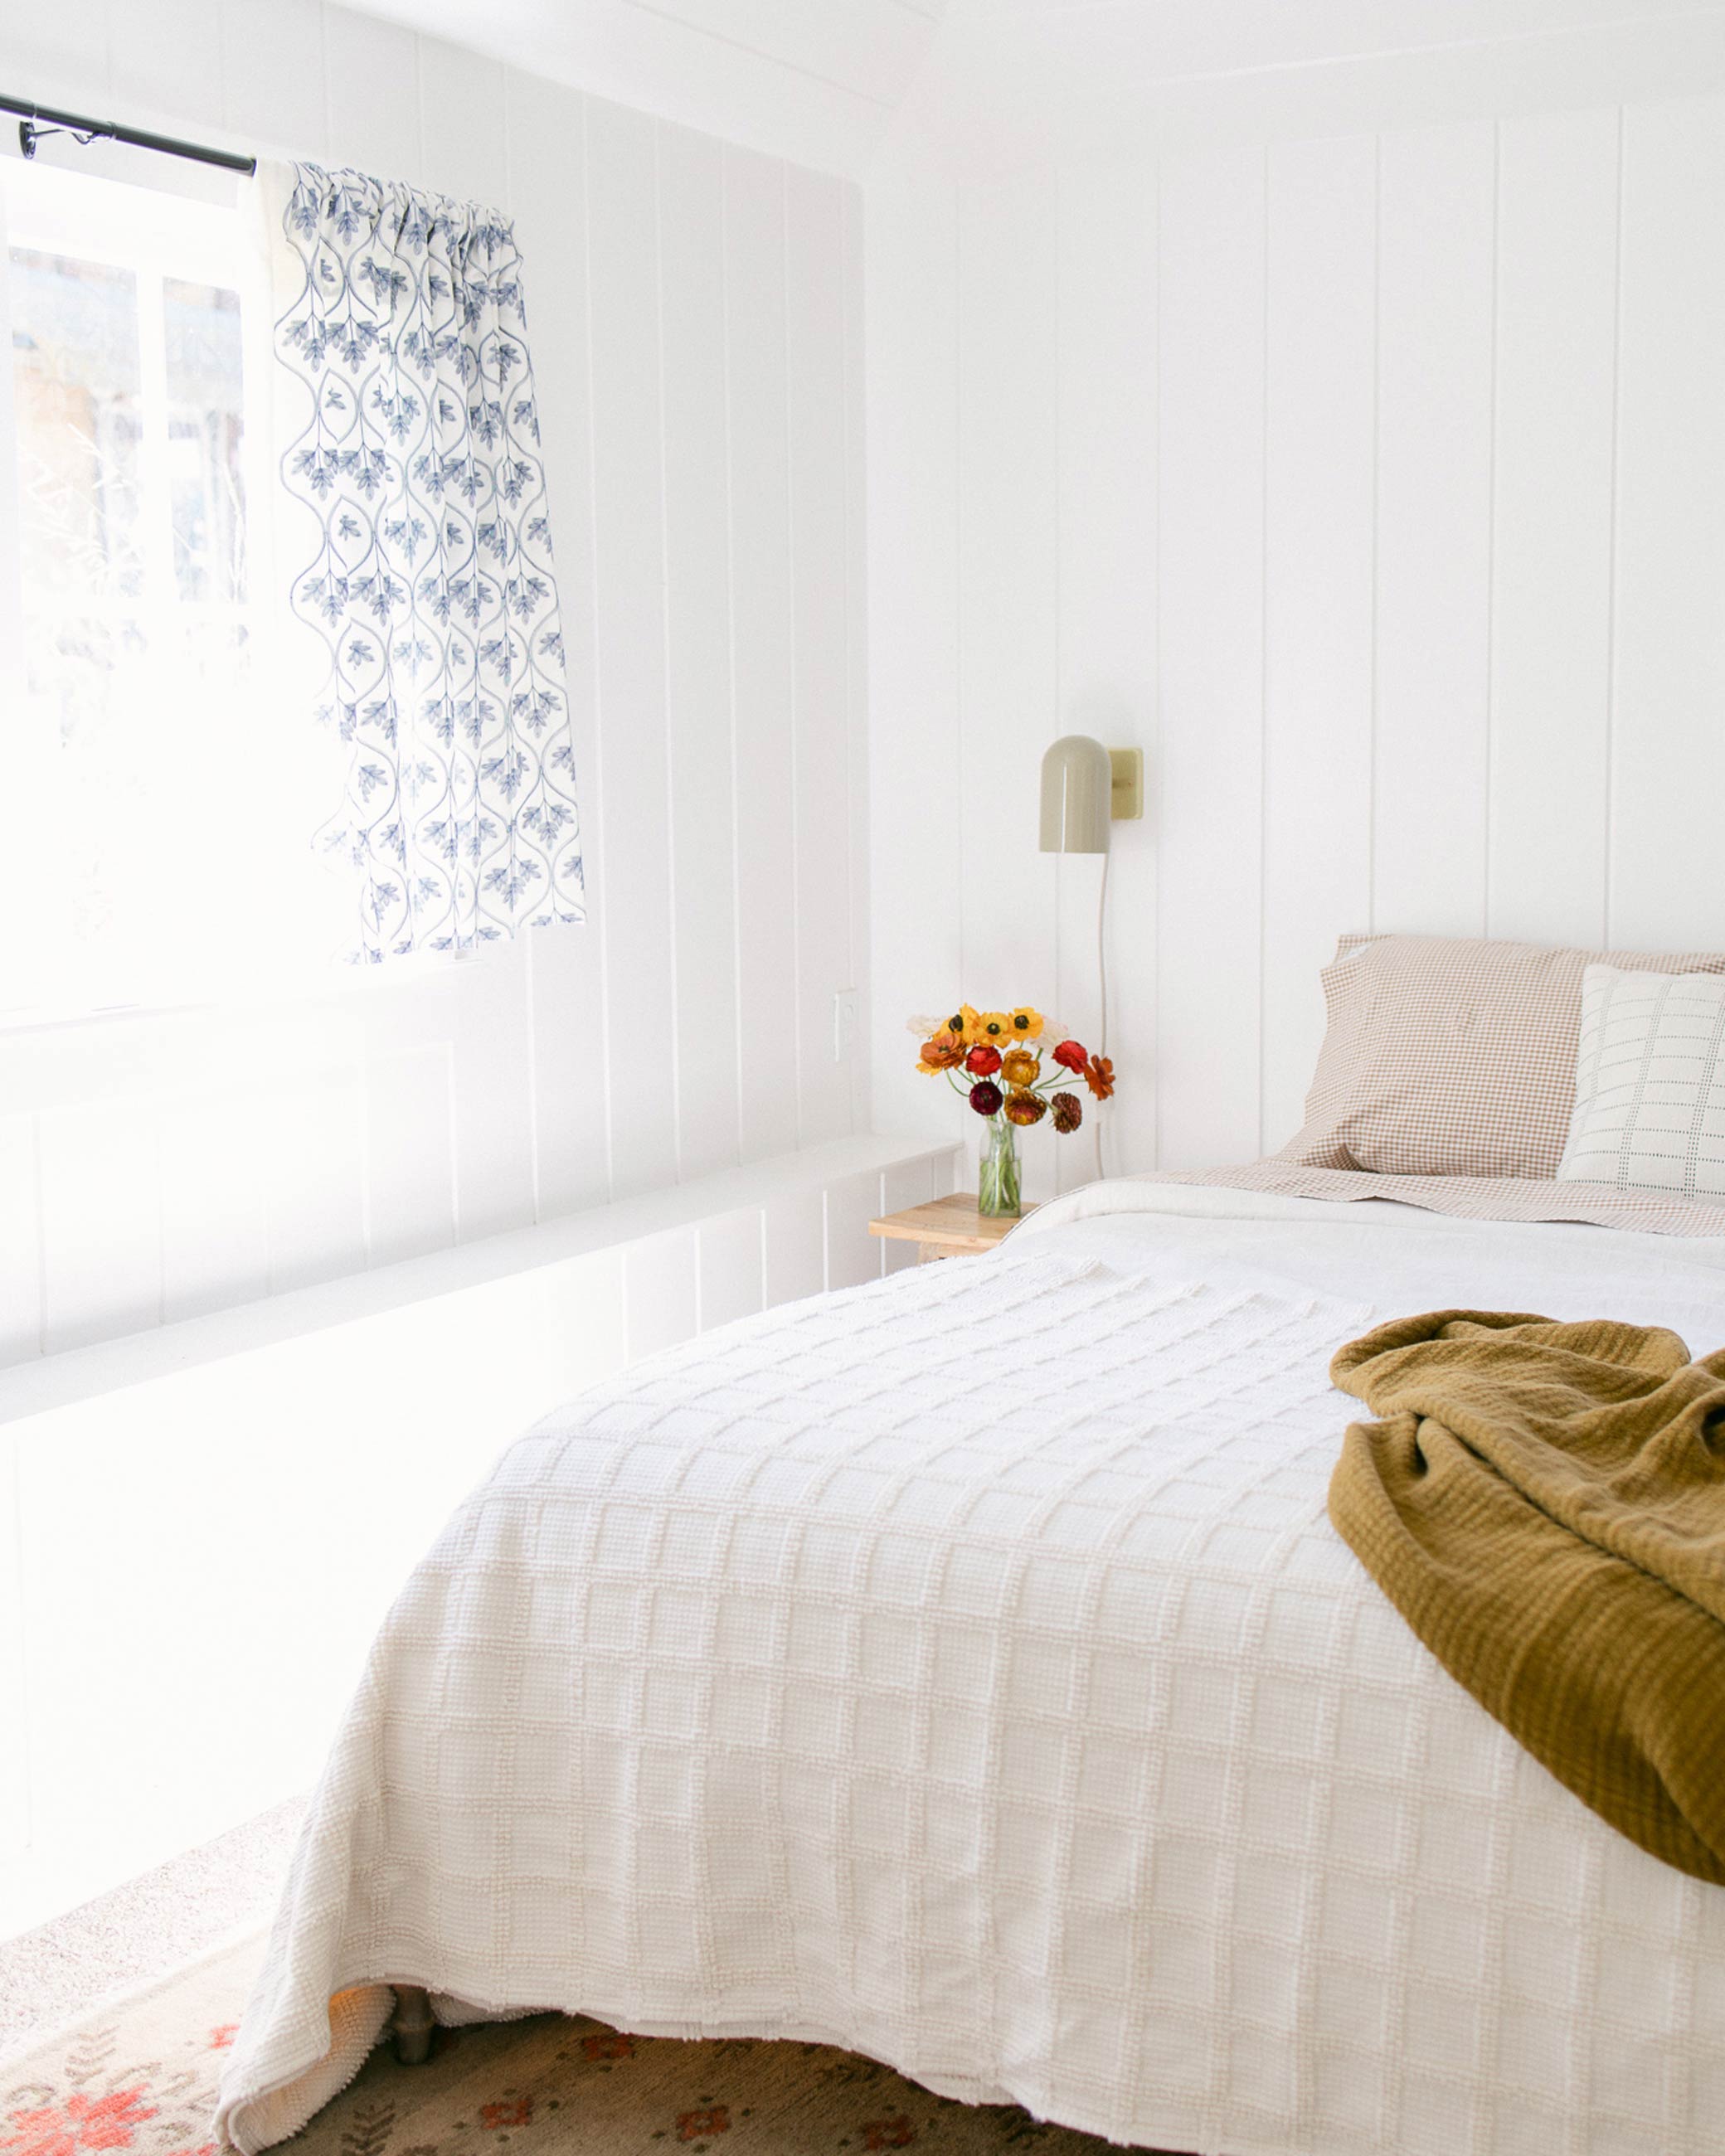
1545	1505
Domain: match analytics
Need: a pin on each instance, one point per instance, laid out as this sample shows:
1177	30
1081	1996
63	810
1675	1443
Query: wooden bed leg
413	2024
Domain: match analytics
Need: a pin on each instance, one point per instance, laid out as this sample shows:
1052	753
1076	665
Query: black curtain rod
42	120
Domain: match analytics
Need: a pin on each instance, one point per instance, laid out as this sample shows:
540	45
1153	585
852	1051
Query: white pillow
1650	1083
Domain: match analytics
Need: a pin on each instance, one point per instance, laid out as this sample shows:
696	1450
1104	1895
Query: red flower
608	2044
889	2133
107	2121
982	1061
985	1097
1099	1076
517	2111
1067	1112
693	2125
1071	1055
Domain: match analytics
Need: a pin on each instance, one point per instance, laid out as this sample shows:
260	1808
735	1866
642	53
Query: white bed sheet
963	1670
1396	1257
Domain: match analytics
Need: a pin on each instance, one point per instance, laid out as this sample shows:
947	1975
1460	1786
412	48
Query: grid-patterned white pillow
1650	1083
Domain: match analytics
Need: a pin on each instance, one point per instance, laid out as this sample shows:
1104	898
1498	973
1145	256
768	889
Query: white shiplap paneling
763	663
1437	492
916	876
1008	525
1107	622
1319	428
702	716
1436	207
1668	644
815	394
1210	547
1554	438
629	550
700	359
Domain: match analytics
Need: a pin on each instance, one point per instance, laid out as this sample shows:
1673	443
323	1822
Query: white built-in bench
203	1524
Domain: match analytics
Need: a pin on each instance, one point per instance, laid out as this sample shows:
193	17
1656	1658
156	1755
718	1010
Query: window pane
205	429
75	369
173	779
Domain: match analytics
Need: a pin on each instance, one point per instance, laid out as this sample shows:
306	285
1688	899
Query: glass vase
997	1180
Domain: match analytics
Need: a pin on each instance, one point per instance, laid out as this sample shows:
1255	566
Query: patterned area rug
140	2076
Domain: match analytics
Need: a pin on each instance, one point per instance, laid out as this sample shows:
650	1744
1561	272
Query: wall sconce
1085	788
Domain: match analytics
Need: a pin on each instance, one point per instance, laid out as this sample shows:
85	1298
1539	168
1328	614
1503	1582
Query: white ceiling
850	84
818	80
1009	81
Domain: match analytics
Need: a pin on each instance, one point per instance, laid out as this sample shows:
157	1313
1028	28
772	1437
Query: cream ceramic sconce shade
1085	787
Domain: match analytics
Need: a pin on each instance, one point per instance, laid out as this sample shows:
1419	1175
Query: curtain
431	581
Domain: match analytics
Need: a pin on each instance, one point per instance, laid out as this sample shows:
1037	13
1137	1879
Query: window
152	852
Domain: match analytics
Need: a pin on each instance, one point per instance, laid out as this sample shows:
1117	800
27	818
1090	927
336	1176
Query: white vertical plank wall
1319	420
697	327
915	742
1553	434
1107	625
1413	596
1667	754
1210	763
1437	201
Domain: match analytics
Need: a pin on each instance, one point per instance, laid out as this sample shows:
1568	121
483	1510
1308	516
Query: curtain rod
41	120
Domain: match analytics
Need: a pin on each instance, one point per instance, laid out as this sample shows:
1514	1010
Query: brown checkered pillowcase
1453	1056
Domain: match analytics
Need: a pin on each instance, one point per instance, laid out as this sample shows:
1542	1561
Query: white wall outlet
843	1023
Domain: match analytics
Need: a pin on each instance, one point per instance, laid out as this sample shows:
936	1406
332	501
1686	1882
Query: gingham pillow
1453	1056
1650	1083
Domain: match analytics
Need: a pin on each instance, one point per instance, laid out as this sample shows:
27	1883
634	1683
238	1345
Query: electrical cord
1102	987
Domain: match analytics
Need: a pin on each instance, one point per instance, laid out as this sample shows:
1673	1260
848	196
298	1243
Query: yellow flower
1020	1067
1025	1108
963	1025
996	1028
1026	1023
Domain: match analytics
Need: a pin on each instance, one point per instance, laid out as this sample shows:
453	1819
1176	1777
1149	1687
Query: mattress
962	1668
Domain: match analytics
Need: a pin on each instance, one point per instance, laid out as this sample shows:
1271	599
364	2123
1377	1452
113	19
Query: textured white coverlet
962	1668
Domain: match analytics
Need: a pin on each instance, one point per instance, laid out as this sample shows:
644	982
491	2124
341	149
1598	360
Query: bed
963	1670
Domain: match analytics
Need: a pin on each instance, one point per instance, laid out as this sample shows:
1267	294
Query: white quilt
963	1670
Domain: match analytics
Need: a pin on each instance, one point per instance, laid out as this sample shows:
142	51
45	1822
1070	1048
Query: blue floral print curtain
432	582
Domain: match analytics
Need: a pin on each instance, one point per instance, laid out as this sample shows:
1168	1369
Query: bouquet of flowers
994	1060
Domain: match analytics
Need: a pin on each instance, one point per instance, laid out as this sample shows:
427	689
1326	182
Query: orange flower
695	2125
942	1053
1025	1108
1099	1076
607	2044
1020	1067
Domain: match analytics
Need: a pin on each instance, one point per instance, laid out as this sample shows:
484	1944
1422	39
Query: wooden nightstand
949	1228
